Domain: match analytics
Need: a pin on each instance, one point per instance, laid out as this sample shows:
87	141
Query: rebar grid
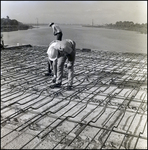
107	107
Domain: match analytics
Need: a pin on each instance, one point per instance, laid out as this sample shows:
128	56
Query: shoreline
138	30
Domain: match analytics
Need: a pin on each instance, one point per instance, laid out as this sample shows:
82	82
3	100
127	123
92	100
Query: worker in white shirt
58	52
56	31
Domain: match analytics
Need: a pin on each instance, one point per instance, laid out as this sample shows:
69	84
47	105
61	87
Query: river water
85	37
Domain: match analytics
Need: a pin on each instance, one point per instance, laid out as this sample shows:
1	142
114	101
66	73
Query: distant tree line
8	24
129	25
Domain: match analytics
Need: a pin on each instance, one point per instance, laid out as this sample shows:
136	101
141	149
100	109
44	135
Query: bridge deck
107	107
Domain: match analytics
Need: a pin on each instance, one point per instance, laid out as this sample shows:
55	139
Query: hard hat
51	24
52	53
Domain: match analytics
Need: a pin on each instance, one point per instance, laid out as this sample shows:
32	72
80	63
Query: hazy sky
80	12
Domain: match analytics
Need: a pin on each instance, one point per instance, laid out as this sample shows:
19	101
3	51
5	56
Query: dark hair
51	24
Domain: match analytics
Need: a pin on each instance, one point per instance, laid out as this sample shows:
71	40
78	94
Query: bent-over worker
58	52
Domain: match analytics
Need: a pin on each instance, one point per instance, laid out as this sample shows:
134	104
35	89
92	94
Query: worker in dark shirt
58	33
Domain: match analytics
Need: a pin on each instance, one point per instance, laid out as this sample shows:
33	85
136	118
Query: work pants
59	36
60	67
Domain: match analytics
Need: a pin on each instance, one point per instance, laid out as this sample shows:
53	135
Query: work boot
48	74
57	85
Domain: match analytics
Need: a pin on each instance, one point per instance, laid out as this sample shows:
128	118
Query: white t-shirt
64	45
56	29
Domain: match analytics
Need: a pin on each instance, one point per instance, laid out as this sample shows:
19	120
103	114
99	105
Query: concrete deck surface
106	109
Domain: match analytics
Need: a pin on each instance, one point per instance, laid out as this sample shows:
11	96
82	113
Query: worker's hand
54	79
65	65
69	65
